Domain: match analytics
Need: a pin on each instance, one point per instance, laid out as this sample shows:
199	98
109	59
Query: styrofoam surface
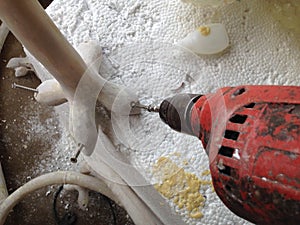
140	36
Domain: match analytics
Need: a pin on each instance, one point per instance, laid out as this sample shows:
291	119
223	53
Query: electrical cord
59	177
69	218
109	201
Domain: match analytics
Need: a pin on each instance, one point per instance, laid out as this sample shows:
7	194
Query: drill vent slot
228	188
295	110
226	151
238	119
226	170
251	105
231	134
239	91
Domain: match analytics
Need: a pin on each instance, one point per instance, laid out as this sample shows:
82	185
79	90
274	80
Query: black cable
112	209
56	217
69	218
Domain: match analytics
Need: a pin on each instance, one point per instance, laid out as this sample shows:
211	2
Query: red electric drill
252	137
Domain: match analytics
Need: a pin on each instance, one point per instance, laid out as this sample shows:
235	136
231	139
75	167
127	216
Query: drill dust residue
204	30
182	187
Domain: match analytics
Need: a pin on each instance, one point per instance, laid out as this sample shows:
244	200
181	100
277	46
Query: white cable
60	177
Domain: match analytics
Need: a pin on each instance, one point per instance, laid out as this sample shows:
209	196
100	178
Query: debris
50	93
21	65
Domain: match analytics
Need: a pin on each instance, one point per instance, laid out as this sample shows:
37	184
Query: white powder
59	147
139	35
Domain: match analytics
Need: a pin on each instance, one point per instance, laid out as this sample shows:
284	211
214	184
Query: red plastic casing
252	137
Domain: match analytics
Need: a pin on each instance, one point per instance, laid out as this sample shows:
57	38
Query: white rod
3	34
3	188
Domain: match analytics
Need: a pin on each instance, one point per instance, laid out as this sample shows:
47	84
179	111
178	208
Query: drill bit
149	108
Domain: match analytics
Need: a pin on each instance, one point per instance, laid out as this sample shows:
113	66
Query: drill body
252	137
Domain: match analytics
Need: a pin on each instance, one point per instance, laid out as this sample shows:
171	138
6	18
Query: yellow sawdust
204	30
180	186
205	173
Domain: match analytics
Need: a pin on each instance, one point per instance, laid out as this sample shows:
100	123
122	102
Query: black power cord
69	218
109	201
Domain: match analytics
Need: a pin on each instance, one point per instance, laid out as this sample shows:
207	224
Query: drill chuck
175	111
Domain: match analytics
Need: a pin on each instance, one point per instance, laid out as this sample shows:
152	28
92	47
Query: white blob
236	154
50	93
21	71
208	39
21	65
19	61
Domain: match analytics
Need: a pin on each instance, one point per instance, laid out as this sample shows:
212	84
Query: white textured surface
139	35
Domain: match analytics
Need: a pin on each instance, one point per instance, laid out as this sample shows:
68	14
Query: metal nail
74	159
14	85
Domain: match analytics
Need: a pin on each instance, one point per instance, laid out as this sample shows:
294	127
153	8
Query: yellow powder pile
180	186
204	30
